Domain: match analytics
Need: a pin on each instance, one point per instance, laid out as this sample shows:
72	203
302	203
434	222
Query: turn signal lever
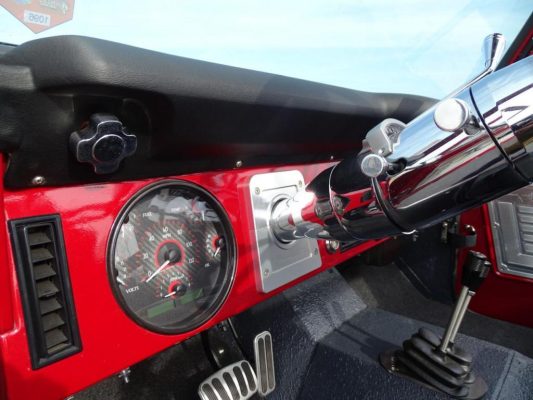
470	148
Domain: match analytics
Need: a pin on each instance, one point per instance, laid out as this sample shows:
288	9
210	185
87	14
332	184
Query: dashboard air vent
45	289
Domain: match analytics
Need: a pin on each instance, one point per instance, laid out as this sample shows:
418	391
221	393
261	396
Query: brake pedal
264	363
237	381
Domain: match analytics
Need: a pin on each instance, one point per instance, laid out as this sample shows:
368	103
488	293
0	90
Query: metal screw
300	183
38	180
266	272
331	157
257	190
339	207
125	375
238	164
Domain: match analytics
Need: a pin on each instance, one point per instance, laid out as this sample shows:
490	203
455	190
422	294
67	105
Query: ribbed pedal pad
264	363
237	381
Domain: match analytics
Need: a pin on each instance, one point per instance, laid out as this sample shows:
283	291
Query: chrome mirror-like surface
465	151
493	50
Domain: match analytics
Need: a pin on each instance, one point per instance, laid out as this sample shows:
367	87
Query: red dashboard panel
110	340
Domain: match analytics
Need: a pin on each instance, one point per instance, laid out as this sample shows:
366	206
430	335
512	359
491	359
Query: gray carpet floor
388	289
328	333
327	342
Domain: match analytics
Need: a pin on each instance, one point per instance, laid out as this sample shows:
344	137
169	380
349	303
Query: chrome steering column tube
465	151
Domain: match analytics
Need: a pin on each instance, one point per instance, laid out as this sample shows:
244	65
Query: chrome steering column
470	148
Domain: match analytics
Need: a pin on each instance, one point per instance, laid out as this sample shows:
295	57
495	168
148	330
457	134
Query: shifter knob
475	270
104	143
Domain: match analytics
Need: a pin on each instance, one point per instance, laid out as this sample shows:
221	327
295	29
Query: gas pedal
264	363
237	381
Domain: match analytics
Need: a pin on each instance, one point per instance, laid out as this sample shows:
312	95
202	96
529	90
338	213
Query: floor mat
327	343
327	337
344	364
297	319
388	289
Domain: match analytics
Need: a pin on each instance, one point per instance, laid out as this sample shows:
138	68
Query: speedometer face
172	255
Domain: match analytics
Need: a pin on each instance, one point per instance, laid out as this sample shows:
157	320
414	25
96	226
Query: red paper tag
39	15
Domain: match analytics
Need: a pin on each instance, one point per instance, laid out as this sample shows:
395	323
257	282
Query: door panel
502	295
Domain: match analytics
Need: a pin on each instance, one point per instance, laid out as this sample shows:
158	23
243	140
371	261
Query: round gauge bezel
231	249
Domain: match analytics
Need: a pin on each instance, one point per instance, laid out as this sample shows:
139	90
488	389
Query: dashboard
167	233
151	263
164	235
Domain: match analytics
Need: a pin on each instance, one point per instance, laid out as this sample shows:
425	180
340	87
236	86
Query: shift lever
440	364
475	271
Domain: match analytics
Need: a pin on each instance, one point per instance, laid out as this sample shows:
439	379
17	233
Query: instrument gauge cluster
171	257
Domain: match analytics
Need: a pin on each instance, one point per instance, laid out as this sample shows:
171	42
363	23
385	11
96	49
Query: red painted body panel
111	341
502	296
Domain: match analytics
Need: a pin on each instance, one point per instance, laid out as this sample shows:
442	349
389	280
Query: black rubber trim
6	47
228	279
27	289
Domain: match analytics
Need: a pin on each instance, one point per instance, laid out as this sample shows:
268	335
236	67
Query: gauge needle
171	294
157	271
217	251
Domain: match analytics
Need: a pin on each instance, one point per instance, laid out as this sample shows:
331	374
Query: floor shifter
441	364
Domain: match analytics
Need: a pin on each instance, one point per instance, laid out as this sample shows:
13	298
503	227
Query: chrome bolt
300	183
257	191
266	272
38	180
451	115
238	164
373	165
332	246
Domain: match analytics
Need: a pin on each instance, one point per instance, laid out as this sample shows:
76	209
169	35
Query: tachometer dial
171	258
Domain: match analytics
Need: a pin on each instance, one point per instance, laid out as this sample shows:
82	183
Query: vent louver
45	289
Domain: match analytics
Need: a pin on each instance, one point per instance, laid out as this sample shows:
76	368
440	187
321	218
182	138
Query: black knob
104	143
169	252
475	270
